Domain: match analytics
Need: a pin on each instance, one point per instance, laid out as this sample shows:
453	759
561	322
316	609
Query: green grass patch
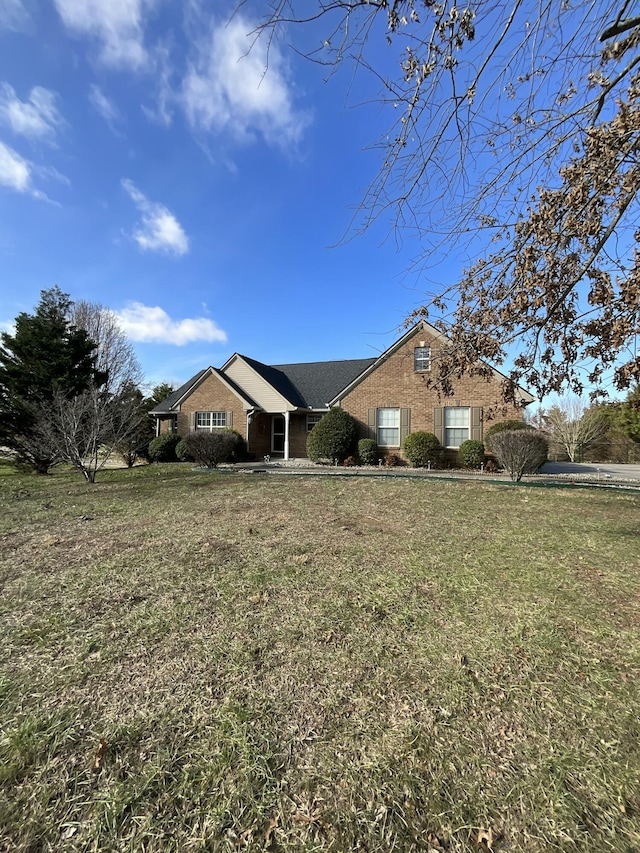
299	664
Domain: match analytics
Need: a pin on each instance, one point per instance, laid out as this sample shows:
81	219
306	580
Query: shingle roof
318	382
166	406
308	386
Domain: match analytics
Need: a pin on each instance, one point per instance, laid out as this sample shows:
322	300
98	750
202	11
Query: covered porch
282	435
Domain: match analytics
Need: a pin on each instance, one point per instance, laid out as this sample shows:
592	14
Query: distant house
274	407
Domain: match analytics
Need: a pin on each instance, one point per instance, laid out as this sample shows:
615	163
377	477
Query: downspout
286	435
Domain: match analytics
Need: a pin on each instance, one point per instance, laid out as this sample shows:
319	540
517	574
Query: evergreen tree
45	358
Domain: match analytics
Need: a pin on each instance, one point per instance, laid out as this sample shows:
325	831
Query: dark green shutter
372	417
438	424
476	423
405	424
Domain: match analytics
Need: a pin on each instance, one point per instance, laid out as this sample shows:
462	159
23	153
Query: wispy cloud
152	324
233	85
159	230
103	105
37	117
13	15
116	24
16	173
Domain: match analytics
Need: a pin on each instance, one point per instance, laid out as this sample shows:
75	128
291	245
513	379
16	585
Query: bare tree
115	355
515	136
574	427
84	430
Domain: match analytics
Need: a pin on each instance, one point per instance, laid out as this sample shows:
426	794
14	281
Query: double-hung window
388	427
312	420
211	420
456	425
421	359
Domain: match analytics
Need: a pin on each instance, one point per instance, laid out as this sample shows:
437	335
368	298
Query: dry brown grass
293	663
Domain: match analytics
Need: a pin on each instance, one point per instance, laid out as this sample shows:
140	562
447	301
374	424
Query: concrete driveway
594	469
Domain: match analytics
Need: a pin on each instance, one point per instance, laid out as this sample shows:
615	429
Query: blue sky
148	164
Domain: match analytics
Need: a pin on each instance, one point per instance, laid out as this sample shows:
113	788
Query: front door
277	434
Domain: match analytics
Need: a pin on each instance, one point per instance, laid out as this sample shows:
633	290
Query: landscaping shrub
333	438
163	447
520	451
368	451
210	449
471	453
182	452
490	467
392	460
420	448
502	426
239	448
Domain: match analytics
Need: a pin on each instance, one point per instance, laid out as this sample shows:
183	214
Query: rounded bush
333	438
420	448
520	451
210	449
182	452
501	426
471	453
163	447
238	446
367	451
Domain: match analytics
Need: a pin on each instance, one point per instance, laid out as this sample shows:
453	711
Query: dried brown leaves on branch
514	140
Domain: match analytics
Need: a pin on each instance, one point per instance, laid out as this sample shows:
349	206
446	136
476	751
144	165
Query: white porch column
249	419
286	435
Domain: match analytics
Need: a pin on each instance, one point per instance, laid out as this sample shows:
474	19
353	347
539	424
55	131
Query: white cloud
13	15
103	105
36	118
159	231
116	24
152	324
233	85
16	172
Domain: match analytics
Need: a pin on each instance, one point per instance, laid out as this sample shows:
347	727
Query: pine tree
46	357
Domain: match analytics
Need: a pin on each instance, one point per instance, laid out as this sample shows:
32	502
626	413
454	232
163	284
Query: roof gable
306	385
173	402
433	333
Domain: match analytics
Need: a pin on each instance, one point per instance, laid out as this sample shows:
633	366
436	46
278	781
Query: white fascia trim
278	410
212	371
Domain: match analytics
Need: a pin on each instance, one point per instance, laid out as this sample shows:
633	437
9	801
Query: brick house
274	407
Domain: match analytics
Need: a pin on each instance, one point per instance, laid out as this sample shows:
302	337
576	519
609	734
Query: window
422	358
456	426
388	427
312	420
211	420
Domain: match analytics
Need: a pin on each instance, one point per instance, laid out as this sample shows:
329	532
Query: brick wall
395	384
212	395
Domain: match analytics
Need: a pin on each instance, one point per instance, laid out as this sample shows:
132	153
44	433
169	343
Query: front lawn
209	661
